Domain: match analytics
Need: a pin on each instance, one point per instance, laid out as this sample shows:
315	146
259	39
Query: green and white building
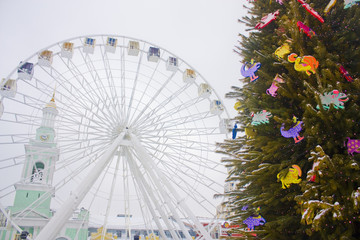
31	209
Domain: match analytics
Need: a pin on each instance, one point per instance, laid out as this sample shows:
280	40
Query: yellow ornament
99	235
250	132
282	50
292	176
237	106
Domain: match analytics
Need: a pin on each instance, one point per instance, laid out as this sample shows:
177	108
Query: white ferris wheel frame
126	139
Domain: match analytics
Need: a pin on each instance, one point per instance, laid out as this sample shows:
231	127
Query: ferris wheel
115	126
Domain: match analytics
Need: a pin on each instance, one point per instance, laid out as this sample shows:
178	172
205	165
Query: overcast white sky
201	32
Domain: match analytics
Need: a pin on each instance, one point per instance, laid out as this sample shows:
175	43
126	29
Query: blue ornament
234	131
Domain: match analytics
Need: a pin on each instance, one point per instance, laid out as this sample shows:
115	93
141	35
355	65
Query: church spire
49	113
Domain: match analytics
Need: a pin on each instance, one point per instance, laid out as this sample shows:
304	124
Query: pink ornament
311	10
273	88
308	31
353	145
345	74
267	19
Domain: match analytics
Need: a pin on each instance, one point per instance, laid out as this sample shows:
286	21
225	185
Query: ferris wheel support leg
149	164
143	185
56	223
145	158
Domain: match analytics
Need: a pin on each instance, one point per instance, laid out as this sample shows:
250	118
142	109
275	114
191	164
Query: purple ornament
353	145
293	132
253	221
250	71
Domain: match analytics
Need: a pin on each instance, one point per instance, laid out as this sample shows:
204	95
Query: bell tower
34	191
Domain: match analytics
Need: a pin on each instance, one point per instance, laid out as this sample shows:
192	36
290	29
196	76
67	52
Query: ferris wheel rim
112	35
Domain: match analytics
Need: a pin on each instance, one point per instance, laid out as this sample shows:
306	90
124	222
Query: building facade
31	209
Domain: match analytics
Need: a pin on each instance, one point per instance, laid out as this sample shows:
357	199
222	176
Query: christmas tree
297	168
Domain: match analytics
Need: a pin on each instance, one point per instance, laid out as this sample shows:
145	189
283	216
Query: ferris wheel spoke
199	198
85	84
146	160
134	88
187	143
111	84
97	80
190	132
185	120
76	73
150	197
69	107
167	201
140	115
161	106
61	80
179	150
165	115
191	172
144	91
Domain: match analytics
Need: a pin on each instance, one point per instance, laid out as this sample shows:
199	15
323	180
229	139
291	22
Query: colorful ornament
353	145
250	72
254	221
293	132
330	5
273	88
267	19
308	31
278	1
350	3
234	131
250	132
334	97
345	73
237	106
311	10
260	117
290	177
306	64
283	50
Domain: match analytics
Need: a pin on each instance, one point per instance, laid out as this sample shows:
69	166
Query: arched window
61	238
37	172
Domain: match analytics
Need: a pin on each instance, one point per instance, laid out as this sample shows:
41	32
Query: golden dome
52	102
